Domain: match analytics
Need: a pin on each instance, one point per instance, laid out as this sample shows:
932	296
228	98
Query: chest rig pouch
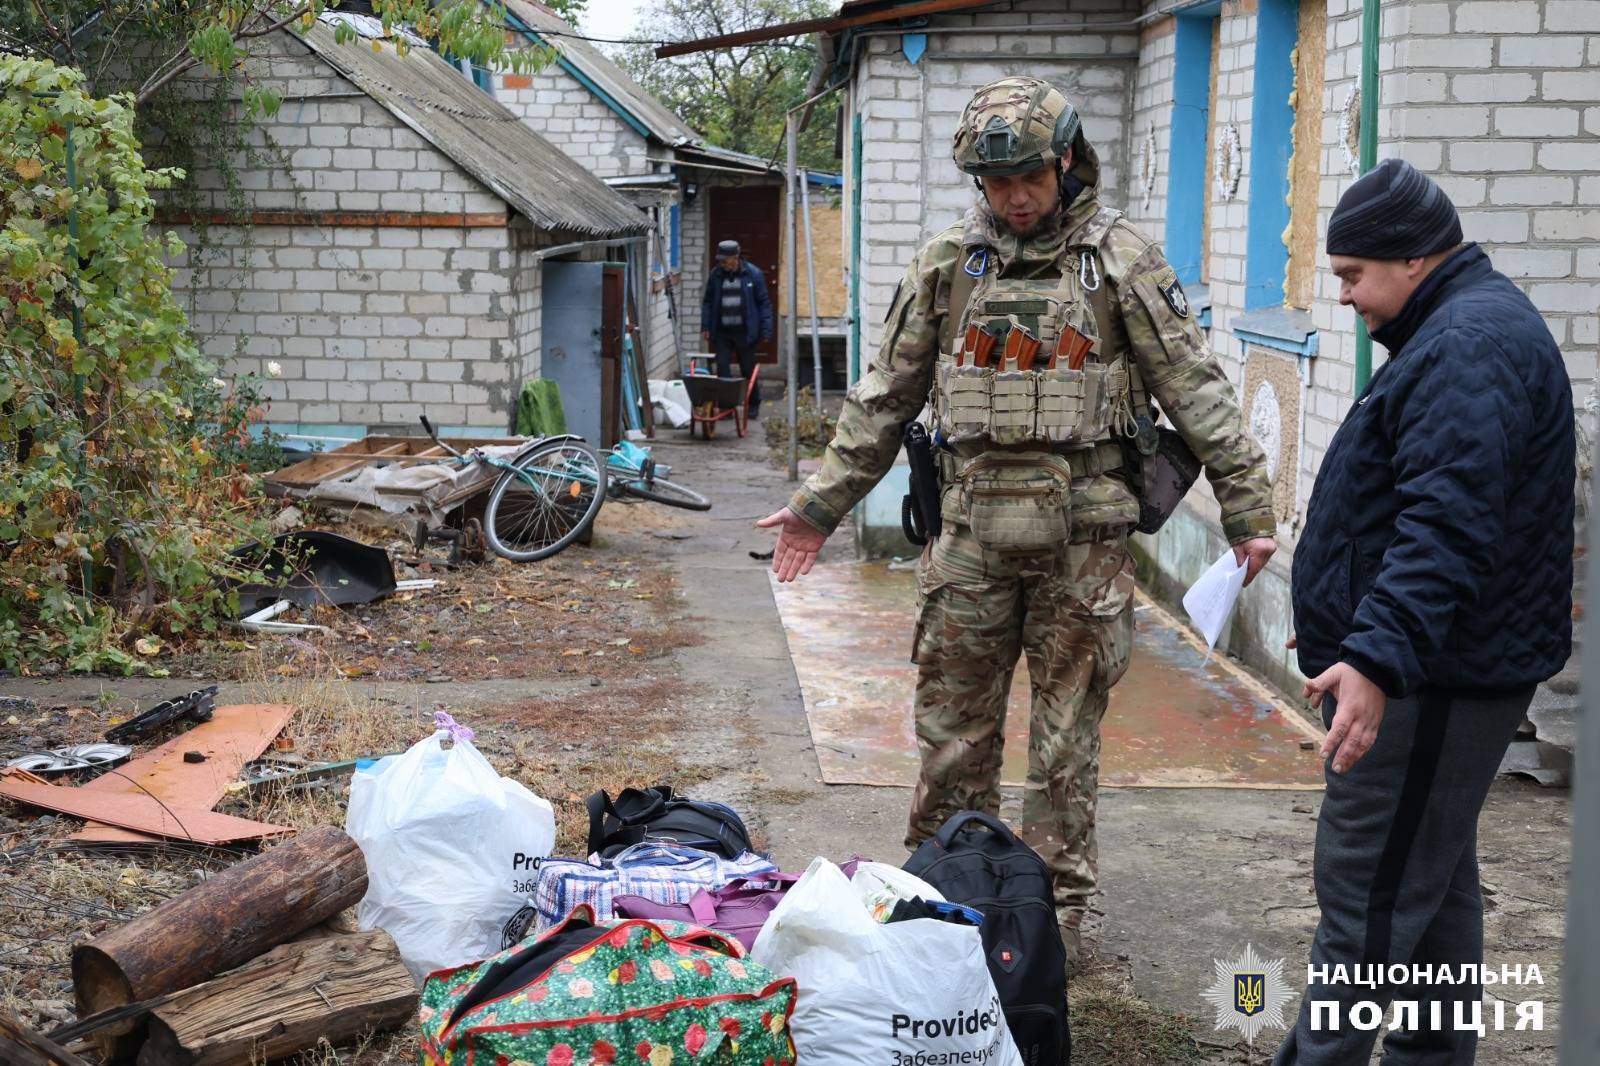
1019	367
1016	383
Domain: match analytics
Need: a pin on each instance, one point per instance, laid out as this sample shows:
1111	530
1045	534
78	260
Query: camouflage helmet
1014	125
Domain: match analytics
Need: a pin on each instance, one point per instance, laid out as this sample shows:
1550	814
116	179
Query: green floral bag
624	991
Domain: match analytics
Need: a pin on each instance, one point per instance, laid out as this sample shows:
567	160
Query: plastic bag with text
870	993
448	844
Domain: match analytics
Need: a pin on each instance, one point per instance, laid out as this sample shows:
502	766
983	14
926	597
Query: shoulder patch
1172	291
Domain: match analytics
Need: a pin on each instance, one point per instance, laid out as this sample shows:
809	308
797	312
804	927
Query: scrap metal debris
196	706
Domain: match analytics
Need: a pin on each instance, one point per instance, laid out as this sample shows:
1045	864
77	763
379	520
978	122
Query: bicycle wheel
660	490
546	503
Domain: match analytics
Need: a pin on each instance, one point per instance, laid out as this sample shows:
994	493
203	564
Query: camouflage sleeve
1191	388
891	393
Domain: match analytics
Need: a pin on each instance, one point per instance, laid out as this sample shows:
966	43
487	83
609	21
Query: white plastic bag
916	990
451	848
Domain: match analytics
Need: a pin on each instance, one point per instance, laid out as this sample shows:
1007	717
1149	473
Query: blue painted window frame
675	235
1271	143
1188	183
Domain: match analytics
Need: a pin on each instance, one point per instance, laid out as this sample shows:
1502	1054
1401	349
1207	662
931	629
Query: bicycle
546	496
632	471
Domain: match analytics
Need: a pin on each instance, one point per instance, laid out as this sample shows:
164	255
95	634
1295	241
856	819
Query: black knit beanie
1394	211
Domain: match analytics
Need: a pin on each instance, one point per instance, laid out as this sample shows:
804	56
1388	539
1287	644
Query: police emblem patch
1249	994
1173	293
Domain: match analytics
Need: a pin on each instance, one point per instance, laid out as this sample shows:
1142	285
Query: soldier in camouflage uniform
1036	505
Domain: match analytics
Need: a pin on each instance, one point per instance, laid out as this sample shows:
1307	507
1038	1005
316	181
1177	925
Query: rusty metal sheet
1172	722
138	811
236	734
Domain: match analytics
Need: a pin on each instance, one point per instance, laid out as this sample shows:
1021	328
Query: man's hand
1359	713
798	544
1256	551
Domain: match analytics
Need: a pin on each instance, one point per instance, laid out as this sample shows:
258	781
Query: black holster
919	511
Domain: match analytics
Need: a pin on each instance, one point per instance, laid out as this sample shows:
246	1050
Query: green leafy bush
123	478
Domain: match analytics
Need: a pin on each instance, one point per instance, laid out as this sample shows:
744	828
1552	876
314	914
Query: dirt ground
655	654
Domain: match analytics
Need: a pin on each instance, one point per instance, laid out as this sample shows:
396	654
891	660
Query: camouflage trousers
1071	614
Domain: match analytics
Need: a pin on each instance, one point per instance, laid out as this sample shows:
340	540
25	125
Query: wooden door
751	215
612	287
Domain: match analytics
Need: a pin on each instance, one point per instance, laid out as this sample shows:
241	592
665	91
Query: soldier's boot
1072	941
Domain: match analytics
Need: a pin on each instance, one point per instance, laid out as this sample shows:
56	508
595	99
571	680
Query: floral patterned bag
623	991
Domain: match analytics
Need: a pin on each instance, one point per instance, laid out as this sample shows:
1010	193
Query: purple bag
739	908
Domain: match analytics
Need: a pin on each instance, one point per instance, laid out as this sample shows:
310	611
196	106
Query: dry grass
1112	1026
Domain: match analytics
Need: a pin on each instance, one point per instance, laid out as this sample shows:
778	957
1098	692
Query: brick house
401	228
696	193
1227	130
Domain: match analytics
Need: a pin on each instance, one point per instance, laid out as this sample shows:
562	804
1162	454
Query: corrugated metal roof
482	135
662	122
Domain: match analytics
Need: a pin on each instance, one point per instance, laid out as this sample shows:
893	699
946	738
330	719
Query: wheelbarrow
711	399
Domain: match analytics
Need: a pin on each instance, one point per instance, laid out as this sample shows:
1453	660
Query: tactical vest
1017	430
990	399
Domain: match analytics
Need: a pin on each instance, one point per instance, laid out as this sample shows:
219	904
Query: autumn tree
736	96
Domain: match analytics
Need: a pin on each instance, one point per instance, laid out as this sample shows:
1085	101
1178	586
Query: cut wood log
21	1046
335	989
222	922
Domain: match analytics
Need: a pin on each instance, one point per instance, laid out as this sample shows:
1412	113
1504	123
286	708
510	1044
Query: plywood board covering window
1305	169
1211	153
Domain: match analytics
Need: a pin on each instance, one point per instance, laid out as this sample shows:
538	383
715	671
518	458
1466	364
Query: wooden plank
286	1001
235	734
144	813
325	467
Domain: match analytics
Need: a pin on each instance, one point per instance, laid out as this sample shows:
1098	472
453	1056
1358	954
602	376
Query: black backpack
974	859
657	816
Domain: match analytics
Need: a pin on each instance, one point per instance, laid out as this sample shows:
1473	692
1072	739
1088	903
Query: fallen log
21	1046
224	921
336	989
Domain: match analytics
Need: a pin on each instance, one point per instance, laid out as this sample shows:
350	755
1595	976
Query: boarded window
1305	166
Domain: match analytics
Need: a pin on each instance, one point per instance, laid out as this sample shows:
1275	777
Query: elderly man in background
735	315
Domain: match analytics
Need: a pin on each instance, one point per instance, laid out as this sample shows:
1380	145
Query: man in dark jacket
1432	592
735	314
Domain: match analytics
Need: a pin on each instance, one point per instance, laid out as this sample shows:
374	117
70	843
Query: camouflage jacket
1167	348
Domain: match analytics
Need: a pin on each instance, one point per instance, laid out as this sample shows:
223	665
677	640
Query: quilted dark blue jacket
1437	549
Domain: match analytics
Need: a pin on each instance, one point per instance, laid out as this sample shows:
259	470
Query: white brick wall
575	120
367	341
369	324
1498	101
911	188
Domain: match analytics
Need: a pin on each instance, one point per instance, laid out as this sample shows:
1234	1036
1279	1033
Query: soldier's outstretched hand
798	544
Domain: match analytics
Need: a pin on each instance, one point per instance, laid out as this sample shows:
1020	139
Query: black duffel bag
657	816
976	860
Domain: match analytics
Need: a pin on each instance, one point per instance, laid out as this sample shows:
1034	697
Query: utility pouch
1019	503
1011	408
1074	405
1165	474
964	392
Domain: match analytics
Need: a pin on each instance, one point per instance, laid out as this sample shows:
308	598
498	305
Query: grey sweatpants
1396	872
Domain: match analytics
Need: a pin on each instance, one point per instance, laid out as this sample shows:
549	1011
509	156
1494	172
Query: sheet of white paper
1210	599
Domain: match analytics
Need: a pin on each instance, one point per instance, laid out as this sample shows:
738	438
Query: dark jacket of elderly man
1432	592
